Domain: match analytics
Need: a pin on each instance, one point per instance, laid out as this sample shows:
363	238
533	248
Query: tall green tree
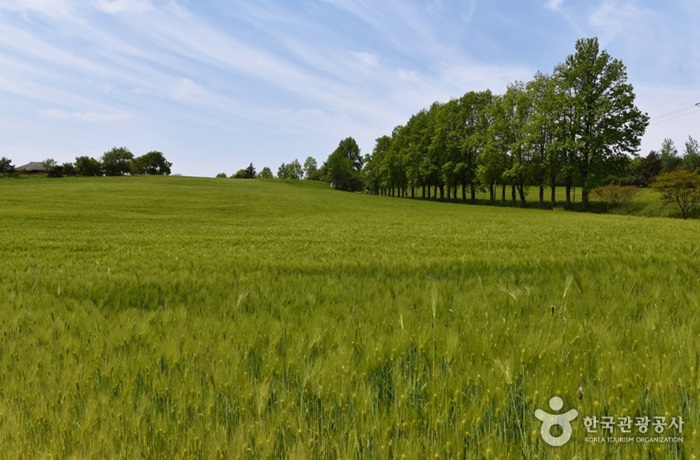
310	168
151	163
117	161
541	134
691	154
266	173
670	161
607	126
471	133
88	166
344	166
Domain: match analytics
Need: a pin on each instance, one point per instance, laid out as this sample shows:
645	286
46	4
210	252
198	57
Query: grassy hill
169	317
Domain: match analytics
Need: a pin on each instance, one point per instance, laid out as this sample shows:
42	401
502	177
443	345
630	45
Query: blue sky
217	84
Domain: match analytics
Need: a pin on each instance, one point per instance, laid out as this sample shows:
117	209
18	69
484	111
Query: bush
680	187
616	195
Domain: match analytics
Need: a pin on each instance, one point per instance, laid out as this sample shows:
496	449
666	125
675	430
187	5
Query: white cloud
90	117
124	6
50	8
186	89
366	58
554	4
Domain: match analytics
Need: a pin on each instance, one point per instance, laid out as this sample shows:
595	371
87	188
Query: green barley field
169	317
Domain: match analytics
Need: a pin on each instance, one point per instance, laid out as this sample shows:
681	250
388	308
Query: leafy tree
88	166
266	173
69	169
310	168
6	167
52	167
540	132
292	170
152	163
680	187
247	173
691	155
670	161
344	166
649	167
49	164
606	125
117	161
221	176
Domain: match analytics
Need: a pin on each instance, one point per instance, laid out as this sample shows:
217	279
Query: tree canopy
575	127
344	165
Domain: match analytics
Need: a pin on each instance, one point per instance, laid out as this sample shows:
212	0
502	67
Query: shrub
616	195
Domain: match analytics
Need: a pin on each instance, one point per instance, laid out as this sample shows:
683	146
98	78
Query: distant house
34	167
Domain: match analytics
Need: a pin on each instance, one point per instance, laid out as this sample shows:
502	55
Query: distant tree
247	173
49	163
295	171
152	163
117	162
69	169
266	173
6	167
88	166
691	155
649	167
221	176
53	169
680	187
670	161
344	166
292	170
310	168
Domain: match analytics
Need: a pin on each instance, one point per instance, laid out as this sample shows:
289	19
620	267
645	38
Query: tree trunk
567	182
503	194
541	195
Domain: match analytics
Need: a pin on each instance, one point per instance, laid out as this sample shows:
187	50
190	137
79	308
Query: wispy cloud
90	117
281	76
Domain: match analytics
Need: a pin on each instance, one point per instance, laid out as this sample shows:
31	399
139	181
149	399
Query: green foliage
168	317
117	161
88	166
247	173
681	188
221	176
152	163
576	127
616	195
691	155
266	173
344	166
310	169
6	167
670	161
292	171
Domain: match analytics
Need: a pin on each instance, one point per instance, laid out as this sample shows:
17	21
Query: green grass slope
199	318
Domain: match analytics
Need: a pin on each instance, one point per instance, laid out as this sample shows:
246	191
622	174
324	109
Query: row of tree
118	161
294	170
575	127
